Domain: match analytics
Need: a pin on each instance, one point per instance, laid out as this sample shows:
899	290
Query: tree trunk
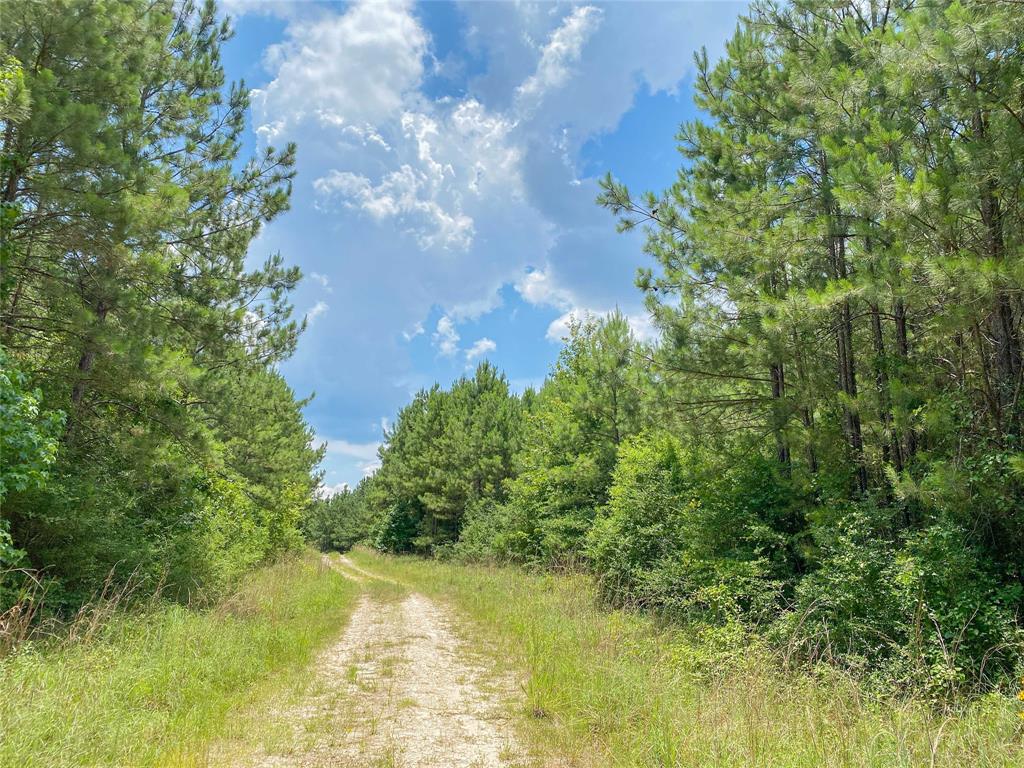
778	378
806	414
899	311
891	450
845	361
1002	320
86	362
847	367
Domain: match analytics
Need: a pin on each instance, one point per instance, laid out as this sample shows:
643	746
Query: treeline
823	449
146	432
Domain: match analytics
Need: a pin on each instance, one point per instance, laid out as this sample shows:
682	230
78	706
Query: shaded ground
399	688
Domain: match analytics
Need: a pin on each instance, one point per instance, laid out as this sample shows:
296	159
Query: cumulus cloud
537	287
403	194
353	68
480	347
446	157
446	338
413	198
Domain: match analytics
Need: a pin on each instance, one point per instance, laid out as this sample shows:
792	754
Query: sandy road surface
399	688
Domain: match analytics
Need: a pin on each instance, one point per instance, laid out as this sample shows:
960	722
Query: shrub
28	447
339	522
925	610
684	536
396	530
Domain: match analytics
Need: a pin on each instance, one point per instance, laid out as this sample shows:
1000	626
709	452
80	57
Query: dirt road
400	688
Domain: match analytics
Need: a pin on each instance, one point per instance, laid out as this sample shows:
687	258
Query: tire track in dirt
401	689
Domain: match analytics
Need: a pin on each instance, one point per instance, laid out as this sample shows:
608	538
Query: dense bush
396	531
28	448
448	450
339	521
685	535
149	434
713	532
922	610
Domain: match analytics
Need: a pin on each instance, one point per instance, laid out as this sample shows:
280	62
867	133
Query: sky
448	157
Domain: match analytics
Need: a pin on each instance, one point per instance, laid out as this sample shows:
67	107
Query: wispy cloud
316	310
563	49
480	347
323	280
416	330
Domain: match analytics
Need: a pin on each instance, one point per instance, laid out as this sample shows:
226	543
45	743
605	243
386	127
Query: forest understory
370	660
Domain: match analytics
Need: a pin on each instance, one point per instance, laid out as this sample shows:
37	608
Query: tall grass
157	686
613	688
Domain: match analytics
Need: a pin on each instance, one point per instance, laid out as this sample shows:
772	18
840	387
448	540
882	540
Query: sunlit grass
612	688
157	687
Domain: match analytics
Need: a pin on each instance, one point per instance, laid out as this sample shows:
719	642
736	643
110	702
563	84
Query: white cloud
446	338
364	454
326	491
238	8
411	203
474	308
640	323
558	329
364	451
480	347
404	194
353	68
323	280
365	135
446	157
537	287
563	49
416	330
316	310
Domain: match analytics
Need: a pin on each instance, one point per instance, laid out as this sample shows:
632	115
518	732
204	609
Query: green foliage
448	450
129	302
650	520
339	521
589	404
396	530
837	284
825	443
28	437
927	611
28	448
685	535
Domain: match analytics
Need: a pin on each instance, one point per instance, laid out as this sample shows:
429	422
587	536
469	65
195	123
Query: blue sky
443	211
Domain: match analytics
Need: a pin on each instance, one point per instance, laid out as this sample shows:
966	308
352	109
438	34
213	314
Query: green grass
612	688
161	686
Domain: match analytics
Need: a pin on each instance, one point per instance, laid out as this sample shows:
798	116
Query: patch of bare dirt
401	689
